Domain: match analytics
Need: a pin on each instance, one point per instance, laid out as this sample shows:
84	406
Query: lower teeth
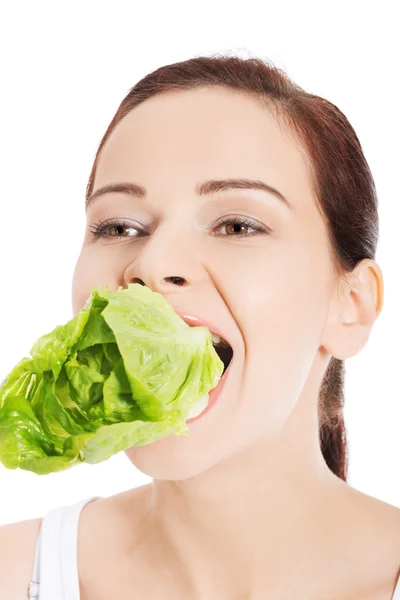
198	407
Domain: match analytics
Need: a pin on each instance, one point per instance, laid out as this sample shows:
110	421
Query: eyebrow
203	188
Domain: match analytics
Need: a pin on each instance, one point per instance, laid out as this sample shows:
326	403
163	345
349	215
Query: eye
99	228
233	225
240	222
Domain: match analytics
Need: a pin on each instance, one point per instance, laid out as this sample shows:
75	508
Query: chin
168	459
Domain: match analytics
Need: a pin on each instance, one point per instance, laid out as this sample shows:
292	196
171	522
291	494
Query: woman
248	203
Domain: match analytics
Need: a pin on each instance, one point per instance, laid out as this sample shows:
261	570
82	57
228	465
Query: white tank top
55	570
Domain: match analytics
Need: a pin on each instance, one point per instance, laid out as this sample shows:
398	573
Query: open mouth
223	349
203	405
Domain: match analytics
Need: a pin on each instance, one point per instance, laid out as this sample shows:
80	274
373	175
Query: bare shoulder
17	550
375	538
386	527
110	529
382	517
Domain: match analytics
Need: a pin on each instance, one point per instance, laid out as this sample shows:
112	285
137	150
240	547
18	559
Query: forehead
179	137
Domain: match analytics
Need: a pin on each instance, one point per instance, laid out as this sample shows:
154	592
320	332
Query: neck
260	511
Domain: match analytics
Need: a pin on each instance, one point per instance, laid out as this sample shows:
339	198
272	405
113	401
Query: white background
65	67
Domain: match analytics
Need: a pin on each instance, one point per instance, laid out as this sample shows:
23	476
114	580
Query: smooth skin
245	507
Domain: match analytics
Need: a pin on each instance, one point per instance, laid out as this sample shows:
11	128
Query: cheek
281	314
279	292
91	269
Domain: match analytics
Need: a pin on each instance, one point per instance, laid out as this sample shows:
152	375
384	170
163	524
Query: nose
170	248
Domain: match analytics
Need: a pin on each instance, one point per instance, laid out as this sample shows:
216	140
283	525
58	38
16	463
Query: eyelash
98	228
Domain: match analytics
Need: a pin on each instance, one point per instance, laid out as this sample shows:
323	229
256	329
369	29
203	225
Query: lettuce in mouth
125	371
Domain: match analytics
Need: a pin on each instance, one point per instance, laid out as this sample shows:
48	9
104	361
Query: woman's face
269	292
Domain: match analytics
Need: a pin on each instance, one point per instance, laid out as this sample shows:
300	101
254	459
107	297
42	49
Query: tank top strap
396	595
33	590
55	570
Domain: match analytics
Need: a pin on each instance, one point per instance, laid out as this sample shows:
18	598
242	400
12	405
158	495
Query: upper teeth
216	338
219	341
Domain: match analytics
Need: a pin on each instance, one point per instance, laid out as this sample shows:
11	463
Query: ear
356	303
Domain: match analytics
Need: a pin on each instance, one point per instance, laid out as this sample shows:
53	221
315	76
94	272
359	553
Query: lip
195	320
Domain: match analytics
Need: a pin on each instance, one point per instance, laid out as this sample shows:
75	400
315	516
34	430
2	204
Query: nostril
175	279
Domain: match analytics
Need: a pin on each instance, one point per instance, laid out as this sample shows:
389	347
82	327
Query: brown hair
340	176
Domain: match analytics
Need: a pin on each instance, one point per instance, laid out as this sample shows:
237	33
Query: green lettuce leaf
125	371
